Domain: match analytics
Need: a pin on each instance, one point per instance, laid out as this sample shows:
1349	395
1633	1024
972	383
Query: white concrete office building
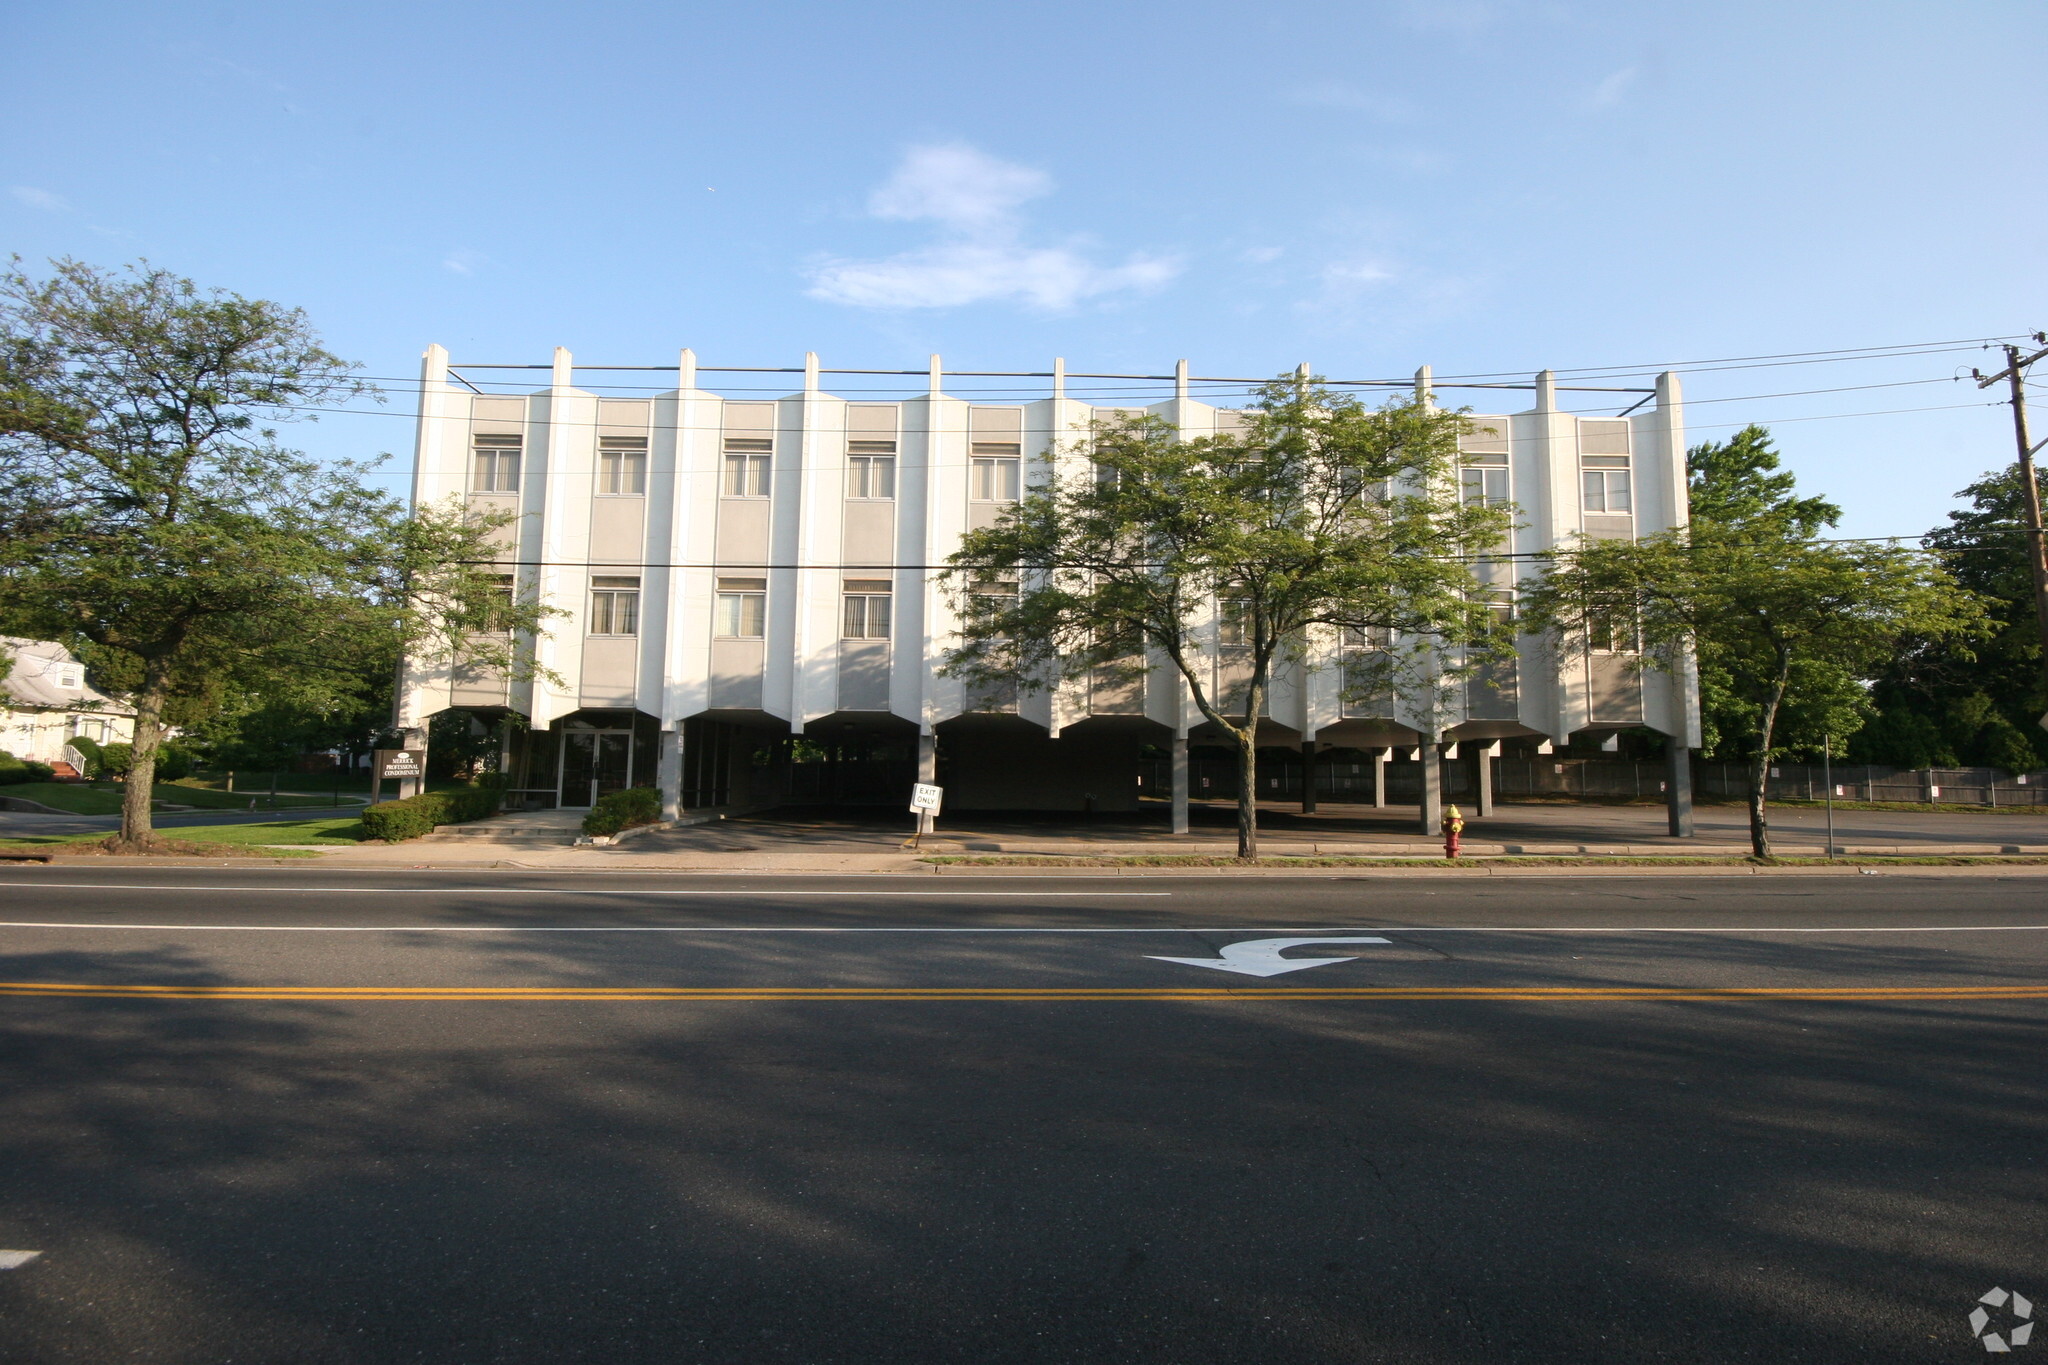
752	615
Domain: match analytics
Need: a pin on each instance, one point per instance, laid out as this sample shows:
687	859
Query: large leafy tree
150	517
1944	702
1784	625
1320	516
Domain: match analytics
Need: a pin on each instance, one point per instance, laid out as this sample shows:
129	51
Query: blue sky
1485	186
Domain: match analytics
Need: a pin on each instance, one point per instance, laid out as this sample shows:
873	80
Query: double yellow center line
1021	994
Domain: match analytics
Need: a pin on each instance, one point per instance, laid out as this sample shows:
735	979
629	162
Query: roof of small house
46	676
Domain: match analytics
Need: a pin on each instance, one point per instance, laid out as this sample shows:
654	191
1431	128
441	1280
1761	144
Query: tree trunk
1760	765
138	834
1248	794
1759	826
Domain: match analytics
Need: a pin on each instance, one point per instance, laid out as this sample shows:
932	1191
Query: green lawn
339	832
343	829
64	796
104	798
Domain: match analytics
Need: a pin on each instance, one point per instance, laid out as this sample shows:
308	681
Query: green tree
150	518
1783	625
1945	703
1230	550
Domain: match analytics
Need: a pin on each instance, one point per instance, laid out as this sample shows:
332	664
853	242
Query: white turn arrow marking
1261	956
14	1260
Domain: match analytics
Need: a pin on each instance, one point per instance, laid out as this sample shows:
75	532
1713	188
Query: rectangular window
1606	483
503	597
494	466
870	469
1612	631
742	608
614	606
1233	622
987	601
997	472
622	465
867	609
746	466
1368	637
1485	485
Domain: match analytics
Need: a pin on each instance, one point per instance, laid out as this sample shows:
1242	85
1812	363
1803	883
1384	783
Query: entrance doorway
594	763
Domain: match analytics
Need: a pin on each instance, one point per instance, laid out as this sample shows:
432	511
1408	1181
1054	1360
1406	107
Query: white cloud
958	185
462	262
1342	275
1338	95
1262	255
1454	16
40	199
1609	92
980	256
954	273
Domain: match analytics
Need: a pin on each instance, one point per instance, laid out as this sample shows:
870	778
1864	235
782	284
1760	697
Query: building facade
46	702
752	611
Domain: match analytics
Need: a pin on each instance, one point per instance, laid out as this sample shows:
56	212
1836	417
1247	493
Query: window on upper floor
988	601
1368	637
1612	630
1484	479
494	464
996	472
742	608
746	466
622	465
1234	622
871	469
867	609
1606	482
614	606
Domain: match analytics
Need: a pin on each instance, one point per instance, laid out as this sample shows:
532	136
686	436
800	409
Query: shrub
17	770
115	760
623	810
173	763
88	749
396	821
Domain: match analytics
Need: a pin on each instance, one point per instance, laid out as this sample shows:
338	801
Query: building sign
925	799
400	763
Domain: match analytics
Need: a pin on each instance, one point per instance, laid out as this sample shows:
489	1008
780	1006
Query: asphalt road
311	1115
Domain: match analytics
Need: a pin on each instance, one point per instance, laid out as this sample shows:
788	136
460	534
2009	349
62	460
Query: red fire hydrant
1454	825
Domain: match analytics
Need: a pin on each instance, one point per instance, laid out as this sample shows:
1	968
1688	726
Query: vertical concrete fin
686	369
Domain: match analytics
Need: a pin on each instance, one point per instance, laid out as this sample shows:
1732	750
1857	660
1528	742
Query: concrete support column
1430	810
927	773
668	773
1180	784
1379	779
414	737
1308	777
1678	787
1486	753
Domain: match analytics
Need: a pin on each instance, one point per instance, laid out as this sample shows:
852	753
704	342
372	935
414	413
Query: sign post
407	765
924	804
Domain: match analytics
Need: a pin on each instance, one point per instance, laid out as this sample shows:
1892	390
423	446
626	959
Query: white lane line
1264	929
544	891
14	1260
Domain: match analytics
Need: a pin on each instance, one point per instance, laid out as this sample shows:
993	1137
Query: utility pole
2015	374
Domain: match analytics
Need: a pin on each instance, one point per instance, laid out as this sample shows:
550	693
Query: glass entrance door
595	763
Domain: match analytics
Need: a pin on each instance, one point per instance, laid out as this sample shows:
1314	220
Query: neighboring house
45	703
748	586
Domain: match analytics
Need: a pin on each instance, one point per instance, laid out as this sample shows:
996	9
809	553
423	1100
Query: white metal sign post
924	803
